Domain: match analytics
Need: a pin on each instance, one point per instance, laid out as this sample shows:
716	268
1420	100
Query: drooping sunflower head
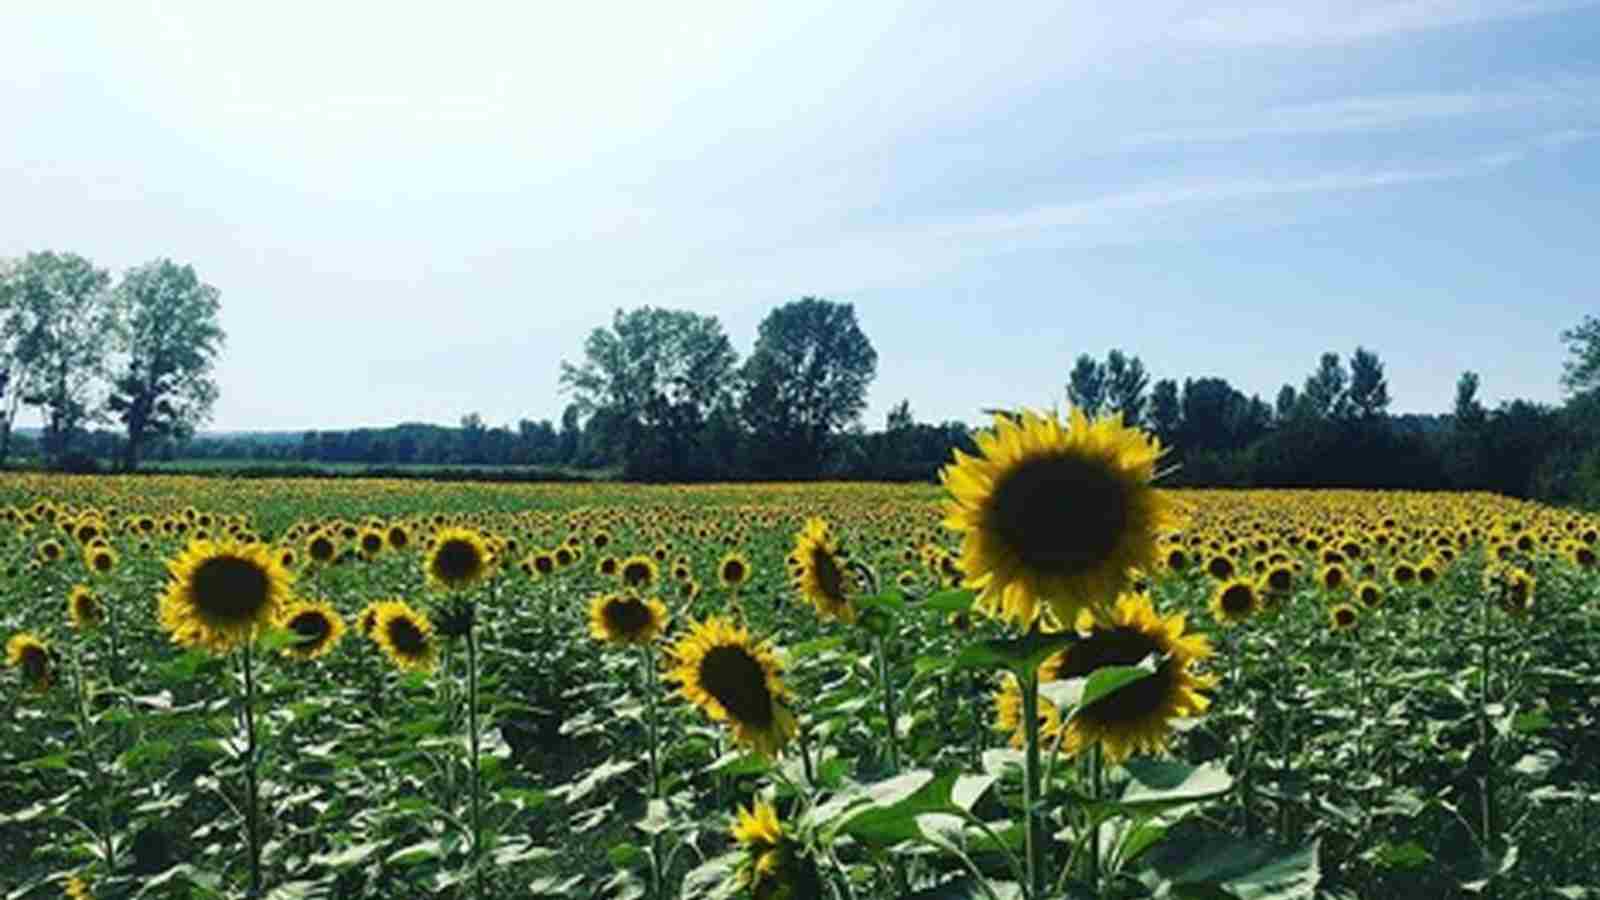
774	866
734	570
734	679
1053	514
1234	601
221	593
822	574
406	636
626	618
638	572
27	653
460	558
84	608
317	626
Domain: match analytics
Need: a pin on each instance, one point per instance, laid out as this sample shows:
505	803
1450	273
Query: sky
416	211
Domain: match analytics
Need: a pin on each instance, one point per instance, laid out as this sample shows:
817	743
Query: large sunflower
773	867
626	619
820	573
460	558
1235	601
1135	718
316	624
26	652
405	635
638	572
734	679
222	592
1055	513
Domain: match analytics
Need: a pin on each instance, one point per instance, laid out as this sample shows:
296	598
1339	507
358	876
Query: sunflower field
1044	677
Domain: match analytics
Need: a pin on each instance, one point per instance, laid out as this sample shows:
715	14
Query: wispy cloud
1385	112
1346	21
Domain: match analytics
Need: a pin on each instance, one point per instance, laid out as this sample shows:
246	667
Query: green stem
252	814
1097	789
647	660
477	773
85	726
888	704
1033	838
1486	781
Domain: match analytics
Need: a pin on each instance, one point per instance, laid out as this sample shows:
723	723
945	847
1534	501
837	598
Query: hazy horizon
416	217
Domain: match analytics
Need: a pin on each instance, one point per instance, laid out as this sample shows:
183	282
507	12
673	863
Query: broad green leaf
1020	656
951	601
1195	862
1162	782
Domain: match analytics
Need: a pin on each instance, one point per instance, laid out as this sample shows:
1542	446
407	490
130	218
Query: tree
1368	394
1469	412
170	340
1324	393
1288	403
806	379
899	418
13	371
658	373
1125	383
1166	411
1581	371
63	319
1086	385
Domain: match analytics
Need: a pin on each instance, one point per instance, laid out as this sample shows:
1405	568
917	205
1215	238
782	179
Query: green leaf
890	815
349	856
1107	680
966	888
278	638
951	601
1195	862
1021	656
416	853
1157	782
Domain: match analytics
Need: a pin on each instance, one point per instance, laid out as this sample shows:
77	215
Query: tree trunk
130	450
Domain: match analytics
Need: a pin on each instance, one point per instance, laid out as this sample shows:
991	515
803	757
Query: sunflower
50	551
821	575
564	556
1370	594
1137	717
317	626
367	619
626	619
84	608
606	567
638	572
1235	601
371	543
1333	577
734	570
459	559
734	679
405	635
773	867
221	593
1513	587
1221	567
1279	579
1342	617
397	537
321	548
1055	513
100	559
77	889
27	652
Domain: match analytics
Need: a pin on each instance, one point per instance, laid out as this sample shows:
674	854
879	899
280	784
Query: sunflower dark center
371	543
321	549
1220	567
1060	514
1345	617
407	638
563	557
1370	596
102	562
733	570
635	574
312	627
1404	574
830	578
1176	559
230	589
457	560
1119	647
1237	600
1280	579
35	663
544	564
737	681
1333	578
398	538
626	615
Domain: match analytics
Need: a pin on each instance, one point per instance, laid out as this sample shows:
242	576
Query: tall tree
1469	412
1324	393
14	331
806	378
657	373
1086	385
1581	371
1166	410
170	338
1125	384
1368	394
65	319
1288	402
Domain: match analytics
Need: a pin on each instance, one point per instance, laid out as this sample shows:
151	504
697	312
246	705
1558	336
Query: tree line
83	350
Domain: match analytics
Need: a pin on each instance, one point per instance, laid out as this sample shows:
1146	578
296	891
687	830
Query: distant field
295	468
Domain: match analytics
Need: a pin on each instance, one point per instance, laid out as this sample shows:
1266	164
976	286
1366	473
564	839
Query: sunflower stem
1486	781
477	772
647	662
888	704
85	726
1097	793
1033	837
252	816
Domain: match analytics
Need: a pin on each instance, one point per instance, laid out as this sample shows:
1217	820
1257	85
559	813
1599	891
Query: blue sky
416	211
